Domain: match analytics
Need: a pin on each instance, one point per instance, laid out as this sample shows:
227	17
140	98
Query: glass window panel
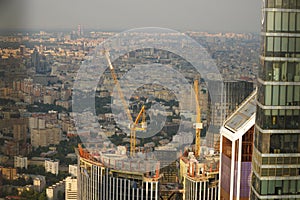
278	3
270	21
271	3
270	44
298	185
291	44
297	71
284	44
274	112
292	21
289	112
264	172
291	71
298	22
264	187
268	95
272	160
297	44
268	112
294	160
284	71
276	71
278	183
269	68
285	4
271	189
279	172
277	44
282	95
289	94
275	95
285	186
297	95
277	21
285	21
272	172
287	160
281	112
293	4
265	160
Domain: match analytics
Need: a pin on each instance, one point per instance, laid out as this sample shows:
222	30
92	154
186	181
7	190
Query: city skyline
213	16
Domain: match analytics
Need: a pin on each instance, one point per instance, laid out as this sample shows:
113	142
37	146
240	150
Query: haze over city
199	15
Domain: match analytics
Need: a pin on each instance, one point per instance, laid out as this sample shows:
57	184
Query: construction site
108	172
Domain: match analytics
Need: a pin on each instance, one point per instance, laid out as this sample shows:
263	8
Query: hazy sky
200	15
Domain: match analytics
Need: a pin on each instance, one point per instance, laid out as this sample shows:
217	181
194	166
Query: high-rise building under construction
115	177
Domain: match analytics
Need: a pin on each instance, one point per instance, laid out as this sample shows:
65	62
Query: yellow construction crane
198	125
133	125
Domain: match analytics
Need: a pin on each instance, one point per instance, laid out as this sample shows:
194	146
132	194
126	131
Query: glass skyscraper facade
276	154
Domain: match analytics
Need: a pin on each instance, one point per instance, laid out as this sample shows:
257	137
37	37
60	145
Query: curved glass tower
276	154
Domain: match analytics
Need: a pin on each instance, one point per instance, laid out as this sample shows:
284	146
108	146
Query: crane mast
133	125
114	76
198	125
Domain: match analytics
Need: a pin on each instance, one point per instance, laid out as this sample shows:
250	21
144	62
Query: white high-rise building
20	161
71	188
73	170
52	166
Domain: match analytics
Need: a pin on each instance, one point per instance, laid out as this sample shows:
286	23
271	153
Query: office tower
276	157
236	151
235	92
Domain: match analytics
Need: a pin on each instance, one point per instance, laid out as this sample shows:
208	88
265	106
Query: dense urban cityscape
233	137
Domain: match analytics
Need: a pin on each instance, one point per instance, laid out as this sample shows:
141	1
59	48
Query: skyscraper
276	153
236	151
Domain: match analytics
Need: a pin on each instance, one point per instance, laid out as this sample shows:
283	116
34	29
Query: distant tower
35	58
276	154
80	30
22	50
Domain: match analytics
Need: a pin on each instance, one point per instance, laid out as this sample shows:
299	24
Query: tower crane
133	125
198	125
